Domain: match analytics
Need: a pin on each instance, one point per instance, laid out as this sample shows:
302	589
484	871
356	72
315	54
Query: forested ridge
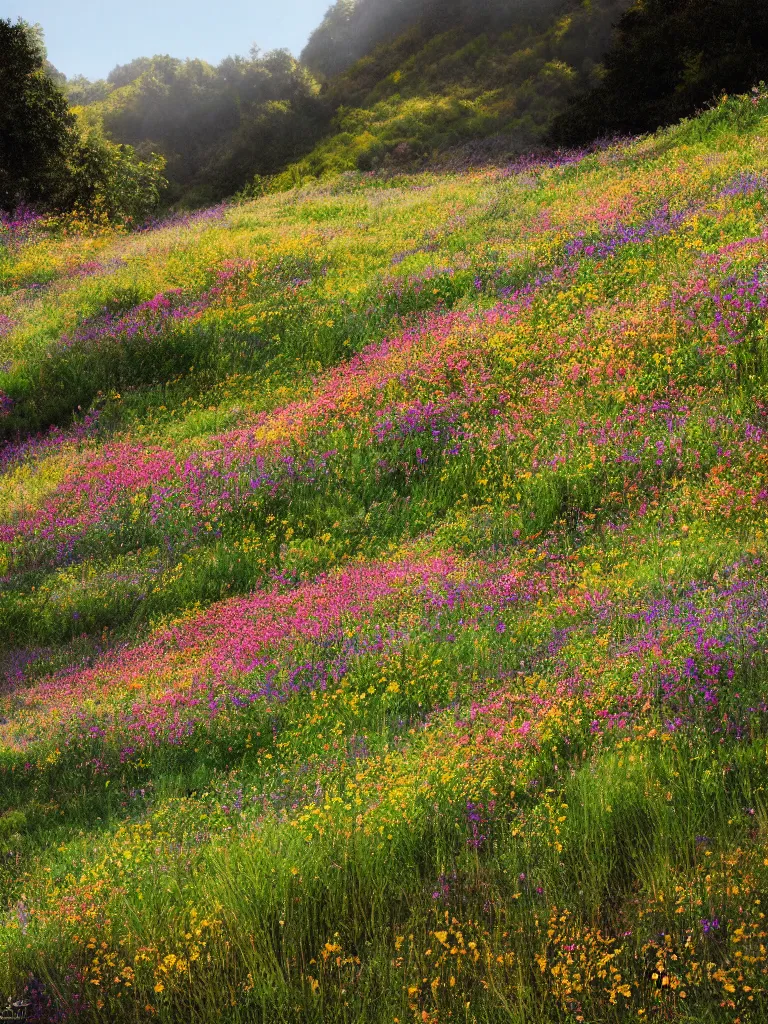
378	82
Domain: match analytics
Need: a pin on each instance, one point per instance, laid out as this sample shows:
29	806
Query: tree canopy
55	159
379	81
215	126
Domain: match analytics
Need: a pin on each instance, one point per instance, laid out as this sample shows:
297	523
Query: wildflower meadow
384	597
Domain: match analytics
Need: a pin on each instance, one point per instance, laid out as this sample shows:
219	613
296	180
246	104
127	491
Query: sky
89	37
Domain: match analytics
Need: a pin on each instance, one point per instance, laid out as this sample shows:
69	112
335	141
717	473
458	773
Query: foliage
384	603
107	179
352	29
81	91
35	121
671	57
401	82
405	82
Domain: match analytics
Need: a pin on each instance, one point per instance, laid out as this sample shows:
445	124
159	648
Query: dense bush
108	179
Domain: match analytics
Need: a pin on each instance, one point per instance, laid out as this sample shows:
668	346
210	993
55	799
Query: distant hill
378	83
352	29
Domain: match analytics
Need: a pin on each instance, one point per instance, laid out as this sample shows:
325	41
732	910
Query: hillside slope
384	598
453	80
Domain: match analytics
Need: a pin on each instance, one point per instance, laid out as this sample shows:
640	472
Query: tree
215	126
50	158
36	124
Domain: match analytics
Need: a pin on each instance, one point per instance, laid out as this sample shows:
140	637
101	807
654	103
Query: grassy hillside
384	595
448	82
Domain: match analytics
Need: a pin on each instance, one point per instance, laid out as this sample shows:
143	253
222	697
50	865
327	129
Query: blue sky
90	37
